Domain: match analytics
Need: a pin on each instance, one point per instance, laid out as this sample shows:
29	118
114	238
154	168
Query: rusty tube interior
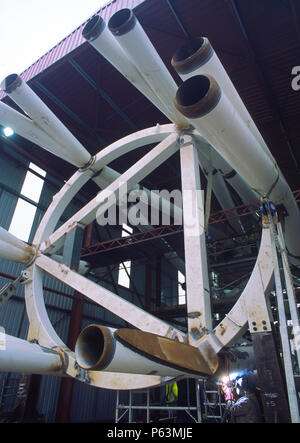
121	22
188	49
94	347
197	96
193	90
93	28
11	82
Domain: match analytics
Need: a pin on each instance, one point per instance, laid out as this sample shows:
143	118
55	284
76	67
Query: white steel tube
12	248
230	175
97	34
140	51
65	145
28	129
201	100
21	356
97	349
197	57
220	190
103	349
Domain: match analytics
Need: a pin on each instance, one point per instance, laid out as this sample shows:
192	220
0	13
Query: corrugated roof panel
73	40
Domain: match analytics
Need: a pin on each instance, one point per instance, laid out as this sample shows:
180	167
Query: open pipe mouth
122	22
197	96
93	28
10	83
192	55
94	347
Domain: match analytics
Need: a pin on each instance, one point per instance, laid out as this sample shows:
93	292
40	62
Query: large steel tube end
133	351
10	83
43	127
193	54
93	28
122	22
197	96
137	47
94	347
12	248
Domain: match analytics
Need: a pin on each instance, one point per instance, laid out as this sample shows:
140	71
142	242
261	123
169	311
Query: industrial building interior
193	309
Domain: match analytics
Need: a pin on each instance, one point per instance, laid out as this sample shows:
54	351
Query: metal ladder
212	400
284	280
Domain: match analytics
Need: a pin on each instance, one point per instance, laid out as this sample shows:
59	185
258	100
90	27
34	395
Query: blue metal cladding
92	404
13	317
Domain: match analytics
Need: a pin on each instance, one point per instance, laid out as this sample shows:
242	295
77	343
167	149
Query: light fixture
8	131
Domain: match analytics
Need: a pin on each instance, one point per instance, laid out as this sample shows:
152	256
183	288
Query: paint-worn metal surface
18	355
164	350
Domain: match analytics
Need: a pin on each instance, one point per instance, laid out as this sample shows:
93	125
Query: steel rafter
166	230
131	240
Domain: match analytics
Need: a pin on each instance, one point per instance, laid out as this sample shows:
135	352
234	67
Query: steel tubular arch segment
40	327
109	380
235	323
80	178
132	141
130	178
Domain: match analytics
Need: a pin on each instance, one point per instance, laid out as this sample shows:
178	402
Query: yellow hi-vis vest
172	392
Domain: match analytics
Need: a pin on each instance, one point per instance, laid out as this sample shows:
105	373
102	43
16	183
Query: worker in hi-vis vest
171	398
171	393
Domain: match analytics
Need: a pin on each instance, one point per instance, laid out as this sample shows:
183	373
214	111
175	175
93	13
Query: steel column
198	295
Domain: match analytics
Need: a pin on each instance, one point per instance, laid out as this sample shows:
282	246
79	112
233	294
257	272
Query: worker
171	397
246	409
230	396
229	392
171	393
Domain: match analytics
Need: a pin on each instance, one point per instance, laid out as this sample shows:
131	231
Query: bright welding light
8	132
225	379
233	375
